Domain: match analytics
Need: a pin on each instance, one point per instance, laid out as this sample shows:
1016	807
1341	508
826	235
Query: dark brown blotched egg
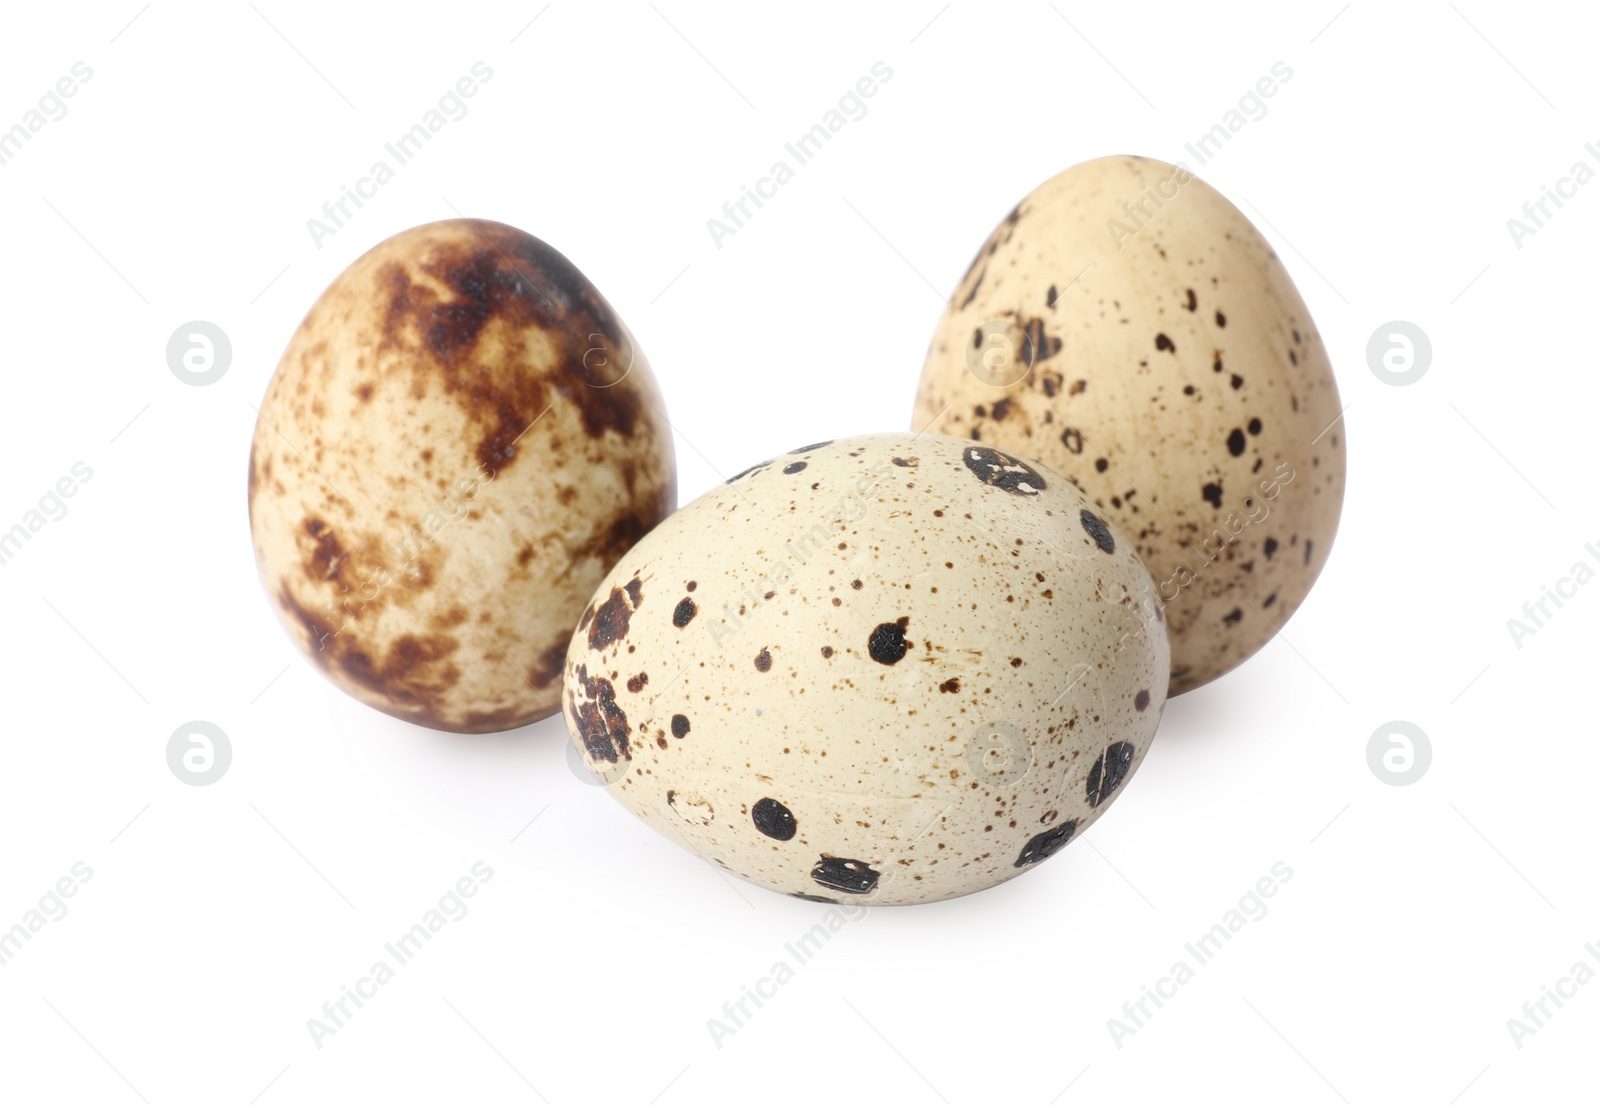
460	441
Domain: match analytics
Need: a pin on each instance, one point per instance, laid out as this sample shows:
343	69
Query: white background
218	920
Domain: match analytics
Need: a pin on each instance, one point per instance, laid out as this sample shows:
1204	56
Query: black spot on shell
1108	772
1222	320
1035	344
1164	343
1269	548
1142	700
764	660
1212	494
813	446
845	875
680	726
1233	617
773	820
794	467
817	899
1236	442
684	612
1098	531
610	621
1046	843
1002	471
602	725
1254	427
1192	303
887	643
747	472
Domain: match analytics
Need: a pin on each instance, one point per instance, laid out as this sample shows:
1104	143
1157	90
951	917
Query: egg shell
881	670
1129	327
460	440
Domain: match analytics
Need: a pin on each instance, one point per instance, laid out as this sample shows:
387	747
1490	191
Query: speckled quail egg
880	670
1129	327
460	441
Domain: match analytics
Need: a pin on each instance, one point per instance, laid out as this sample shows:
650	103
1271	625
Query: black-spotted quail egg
880	670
